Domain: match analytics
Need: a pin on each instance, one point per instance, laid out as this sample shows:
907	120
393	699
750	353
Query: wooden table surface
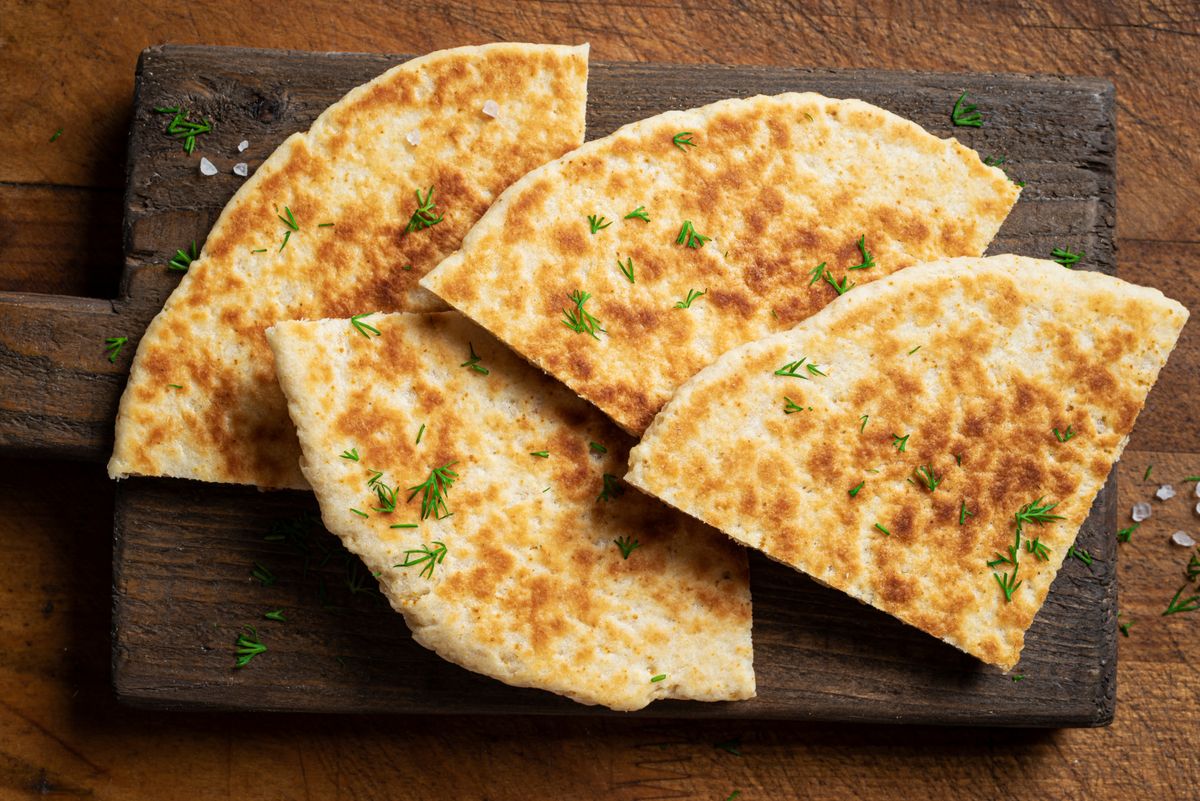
69	65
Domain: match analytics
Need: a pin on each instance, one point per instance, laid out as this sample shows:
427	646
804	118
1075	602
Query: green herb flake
350	455
1081	555
289	221
928	477
732	746
429	557
914	350
112	346
863	427
900	442
626	545
359	513
596	447
1124	534
1019	677
1039	549
423	217
1146	476
683	140
626	268
1064	436
792	369
324	225
421	432
363	328
963	513
597	223
1033	513
1177	604
817	273
259	250
883	529
180	127
262	575
686	303
1124	627
275	614
843	287
540	454
433	492
55	135
689	237
854	490
183	259
612	488
1008	583
658	678
1066	257
791	407
248	646
175	386
472	363
868	261
966	115
638	214
1192	478
403	525
579	319
286	236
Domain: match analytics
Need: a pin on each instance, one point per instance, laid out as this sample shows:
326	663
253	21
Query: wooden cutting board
184	551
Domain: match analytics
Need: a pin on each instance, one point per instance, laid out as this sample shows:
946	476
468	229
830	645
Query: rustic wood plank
818	654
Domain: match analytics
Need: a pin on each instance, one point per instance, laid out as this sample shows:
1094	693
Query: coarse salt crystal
1198	508
1198	489
491	108
1141	511
242	145
1183	538
207	167
241	168
1165	492
413	138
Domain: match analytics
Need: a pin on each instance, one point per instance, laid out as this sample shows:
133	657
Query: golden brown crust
1010	349
533	590
780	183
202	400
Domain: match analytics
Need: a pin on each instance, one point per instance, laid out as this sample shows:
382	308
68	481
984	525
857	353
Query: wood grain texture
71	65
184	551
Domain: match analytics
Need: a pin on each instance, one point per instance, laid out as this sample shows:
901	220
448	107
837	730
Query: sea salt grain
207	167
1165	492
413	138
492	109
241	168
242	145
1183	538
1141	511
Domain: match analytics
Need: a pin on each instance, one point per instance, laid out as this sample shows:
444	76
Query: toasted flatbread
740	200
941	402
329	226
517	573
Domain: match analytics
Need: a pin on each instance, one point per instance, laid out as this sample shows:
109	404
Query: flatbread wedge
485	496
929	443
338	221
627	265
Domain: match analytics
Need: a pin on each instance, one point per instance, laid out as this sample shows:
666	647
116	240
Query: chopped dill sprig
843	287
540	454
430	557
359	512
113	345
275	614
1124	627
248	647
286	236
689	237
817	273
791	407
864	419
423	217
175	386
792	369
1146	475
420	433
433	491
363	328
1192	571
596	447
928	477
1081	555
626	268
612	488
883	529
262	575
386	496
995	161
1033	513
180	127
473	362
900	442
597	223
914	350
638	214
1066	257
1038	549
854	490
56	134
683	140
868	261
1124	534
1008	583
659	677
966	115
324	225
183	259
1190	604
963	513
1064	436
350	455
686	303
403	525
627	545
579	319
259	250
289	221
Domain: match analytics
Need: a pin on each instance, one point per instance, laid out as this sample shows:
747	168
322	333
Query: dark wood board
184	550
